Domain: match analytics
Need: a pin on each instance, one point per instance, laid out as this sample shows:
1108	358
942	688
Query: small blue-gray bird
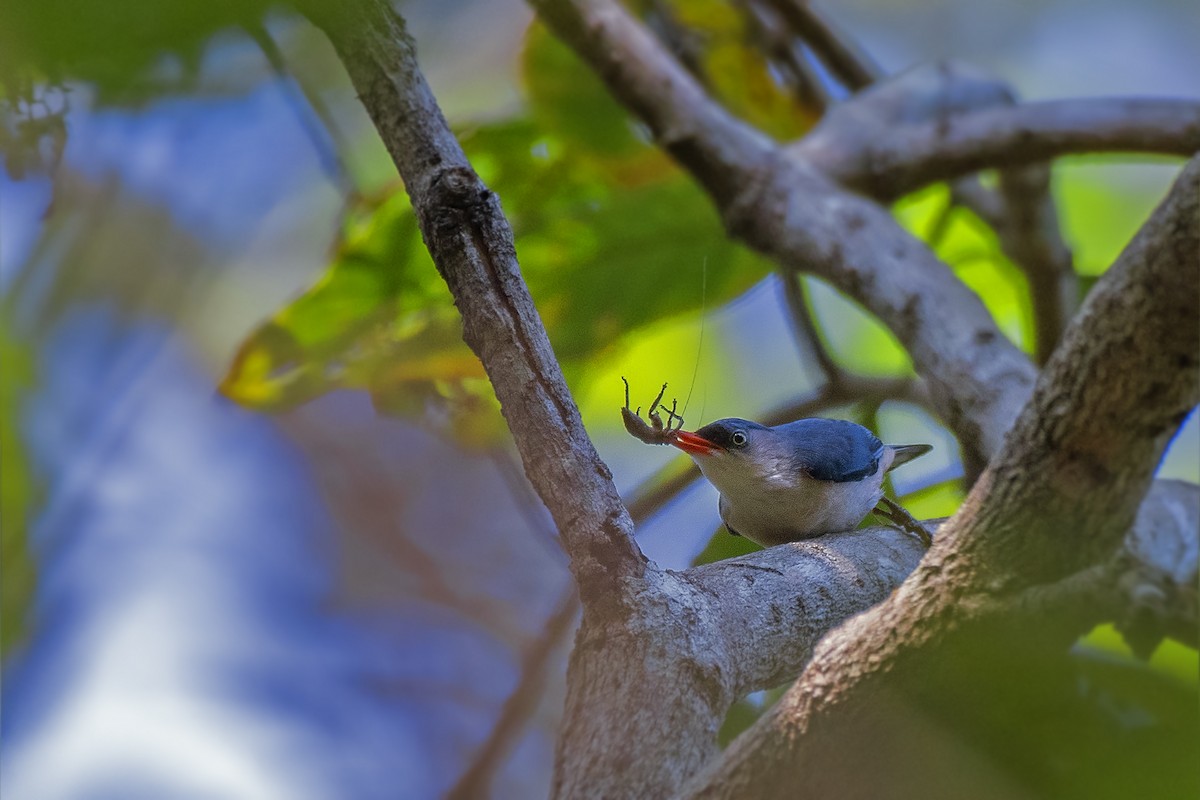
797	480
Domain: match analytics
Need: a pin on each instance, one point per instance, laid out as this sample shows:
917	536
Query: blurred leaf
938	500
314	343
972	250
379	320
16	492
1103	202
1065	725
115	44
605	251
566	97
854	336
737	71
724	545
1170	658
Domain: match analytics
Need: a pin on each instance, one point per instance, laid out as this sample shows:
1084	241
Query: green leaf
17	491
606	252
566	97
972	250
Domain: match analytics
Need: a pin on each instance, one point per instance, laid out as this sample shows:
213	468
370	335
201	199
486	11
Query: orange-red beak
694	445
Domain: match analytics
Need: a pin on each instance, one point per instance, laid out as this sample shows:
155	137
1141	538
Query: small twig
1031	236
326	138
802	78
804	327
844	59
476	781
681	40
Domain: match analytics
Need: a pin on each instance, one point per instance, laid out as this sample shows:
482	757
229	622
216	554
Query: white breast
776	506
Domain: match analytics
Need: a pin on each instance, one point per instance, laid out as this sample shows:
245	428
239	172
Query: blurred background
264	534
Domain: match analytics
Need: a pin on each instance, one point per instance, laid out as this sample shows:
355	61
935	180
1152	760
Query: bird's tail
907	452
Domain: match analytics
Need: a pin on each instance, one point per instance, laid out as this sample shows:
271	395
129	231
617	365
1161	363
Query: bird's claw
898	515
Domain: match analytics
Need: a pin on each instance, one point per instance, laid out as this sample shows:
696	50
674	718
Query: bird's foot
896	514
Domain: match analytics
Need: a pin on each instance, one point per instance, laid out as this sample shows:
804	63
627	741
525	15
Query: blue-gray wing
833	449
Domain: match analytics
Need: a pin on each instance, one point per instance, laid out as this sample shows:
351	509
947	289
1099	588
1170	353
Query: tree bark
661	655
1056	500
471	244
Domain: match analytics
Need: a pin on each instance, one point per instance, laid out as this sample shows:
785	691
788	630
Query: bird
798	480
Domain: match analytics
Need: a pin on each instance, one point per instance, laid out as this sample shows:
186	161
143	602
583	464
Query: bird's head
732	450
725	438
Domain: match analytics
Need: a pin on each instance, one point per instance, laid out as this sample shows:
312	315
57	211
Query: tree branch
645	697
471	244
1021	212
1023	215
913	155
787	210
847	62
1055	502
804	327
324	134
476	781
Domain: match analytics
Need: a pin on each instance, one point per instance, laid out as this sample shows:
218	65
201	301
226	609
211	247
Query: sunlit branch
471	243
978	378
916	155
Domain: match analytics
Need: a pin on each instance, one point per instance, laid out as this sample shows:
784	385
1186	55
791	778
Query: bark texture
1058	498
660	655
646	694
471	244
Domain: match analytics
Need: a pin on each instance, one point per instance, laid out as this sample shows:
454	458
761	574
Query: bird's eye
738	439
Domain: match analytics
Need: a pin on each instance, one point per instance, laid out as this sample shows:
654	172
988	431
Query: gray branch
910	156
647	693
851	66
1053	505
787	209
660	656
471	244
1021	211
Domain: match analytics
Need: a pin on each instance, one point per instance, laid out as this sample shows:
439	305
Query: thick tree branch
471	244
917	154
767	625
1055	502
1021	211
789	211
646	695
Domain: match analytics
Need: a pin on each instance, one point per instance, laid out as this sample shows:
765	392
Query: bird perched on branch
797	480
